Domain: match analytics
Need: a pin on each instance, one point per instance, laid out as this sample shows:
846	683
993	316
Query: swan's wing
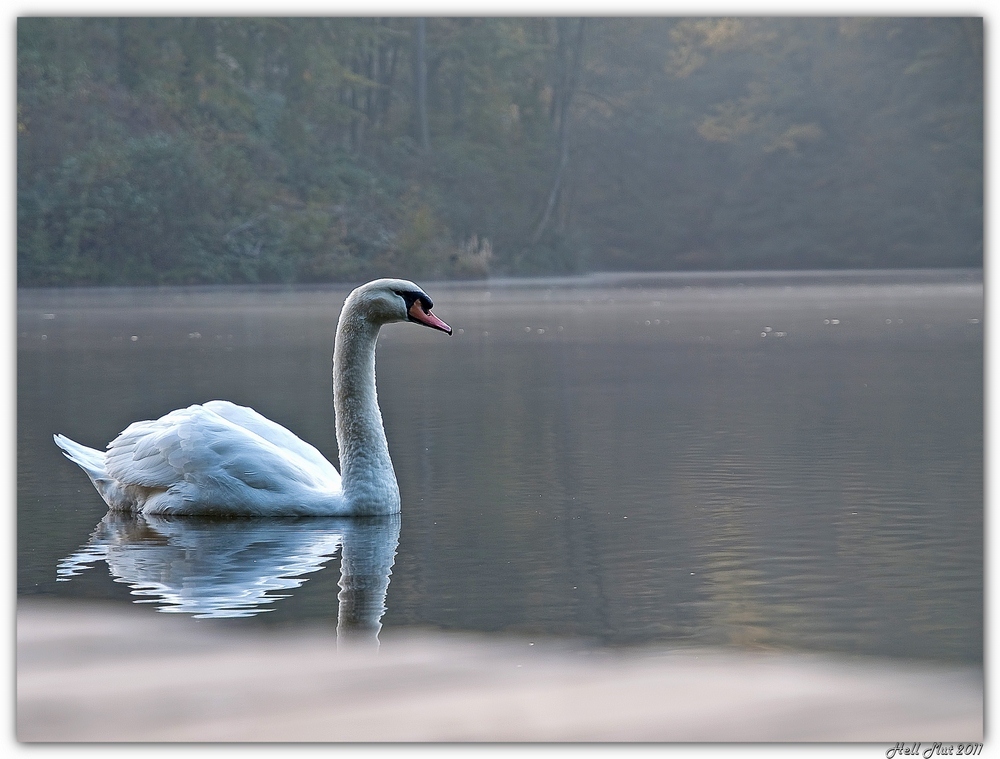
152	453
272	431
196	445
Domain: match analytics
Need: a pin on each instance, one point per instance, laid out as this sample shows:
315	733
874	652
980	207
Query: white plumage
220	458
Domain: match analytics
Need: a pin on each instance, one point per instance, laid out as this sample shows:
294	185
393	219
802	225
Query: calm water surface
787	461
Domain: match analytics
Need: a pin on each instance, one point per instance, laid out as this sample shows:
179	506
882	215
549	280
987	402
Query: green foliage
145	212
181	150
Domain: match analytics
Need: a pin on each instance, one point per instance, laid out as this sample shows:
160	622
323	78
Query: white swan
224	459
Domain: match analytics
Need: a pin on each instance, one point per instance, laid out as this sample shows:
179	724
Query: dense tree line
184	150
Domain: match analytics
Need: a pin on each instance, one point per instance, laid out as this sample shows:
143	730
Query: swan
219	458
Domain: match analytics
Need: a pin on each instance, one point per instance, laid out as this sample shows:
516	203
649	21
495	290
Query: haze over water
789	461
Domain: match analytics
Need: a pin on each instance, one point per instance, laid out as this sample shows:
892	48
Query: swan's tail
91	461
88	459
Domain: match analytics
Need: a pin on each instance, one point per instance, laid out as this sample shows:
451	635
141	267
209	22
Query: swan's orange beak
417	314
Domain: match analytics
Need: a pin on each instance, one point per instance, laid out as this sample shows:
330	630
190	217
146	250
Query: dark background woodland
212	150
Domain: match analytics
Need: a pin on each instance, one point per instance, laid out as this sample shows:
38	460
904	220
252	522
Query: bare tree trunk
384	76
420	86
458	85
128	54
567	76
198	44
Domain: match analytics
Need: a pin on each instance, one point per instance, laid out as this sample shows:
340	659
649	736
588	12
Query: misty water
769	461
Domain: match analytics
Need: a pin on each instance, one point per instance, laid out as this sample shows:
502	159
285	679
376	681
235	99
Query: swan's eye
415	297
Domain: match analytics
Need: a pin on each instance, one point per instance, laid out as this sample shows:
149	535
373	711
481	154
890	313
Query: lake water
768	461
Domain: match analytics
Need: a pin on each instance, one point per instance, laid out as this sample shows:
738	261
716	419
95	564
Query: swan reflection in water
213	568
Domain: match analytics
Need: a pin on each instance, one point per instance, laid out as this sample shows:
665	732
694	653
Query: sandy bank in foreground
104	673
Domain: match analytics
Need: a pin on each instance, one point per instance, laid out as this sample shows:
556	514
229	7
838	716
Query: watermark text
928	751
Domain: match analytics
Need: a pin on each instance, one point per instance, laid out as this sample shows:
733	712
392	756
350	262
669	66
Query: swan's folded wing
152	453
273	432
196	445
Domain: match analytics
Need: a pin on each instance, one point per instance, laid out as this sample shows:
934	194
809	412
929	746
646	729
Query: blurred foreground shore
106	673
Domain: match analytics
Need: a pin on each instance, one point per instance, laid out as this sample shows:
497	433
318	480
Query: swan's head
394	300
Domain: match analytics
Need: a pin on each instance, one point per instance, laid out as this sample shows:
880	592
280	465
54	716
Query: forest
156	150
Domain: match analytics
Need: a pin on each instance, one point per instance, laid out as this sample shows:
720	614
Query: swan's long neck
369	481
